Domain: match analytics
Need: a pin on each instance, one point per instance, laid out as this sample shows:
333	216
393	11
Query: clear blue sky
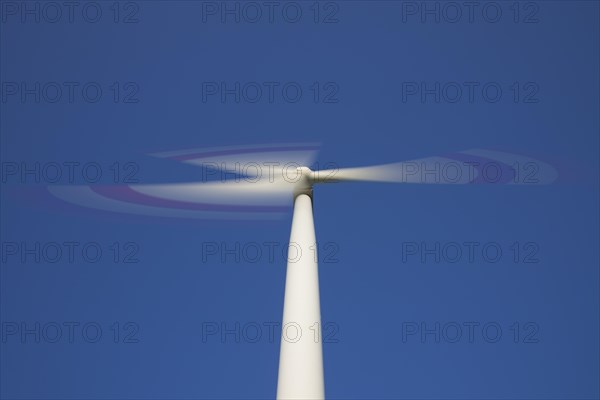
366	62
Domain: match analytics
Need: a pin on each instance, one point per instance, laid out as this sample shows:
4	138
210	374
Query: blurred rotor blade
526	170
263	161
221	192
468	167
417	171
228	199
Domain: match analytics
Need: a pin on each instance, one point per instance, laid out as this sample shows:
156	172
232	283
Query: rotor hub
304	182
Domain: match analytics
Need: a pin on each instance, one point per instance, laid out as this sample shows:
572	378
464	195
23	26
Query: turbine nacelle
305	182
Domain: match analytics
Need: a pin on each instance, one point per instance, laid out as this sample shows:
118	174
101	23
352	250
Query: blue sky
364	64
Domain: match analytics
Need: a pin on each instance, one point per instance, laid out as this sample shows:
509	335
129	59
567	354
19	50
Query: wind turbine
301	357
